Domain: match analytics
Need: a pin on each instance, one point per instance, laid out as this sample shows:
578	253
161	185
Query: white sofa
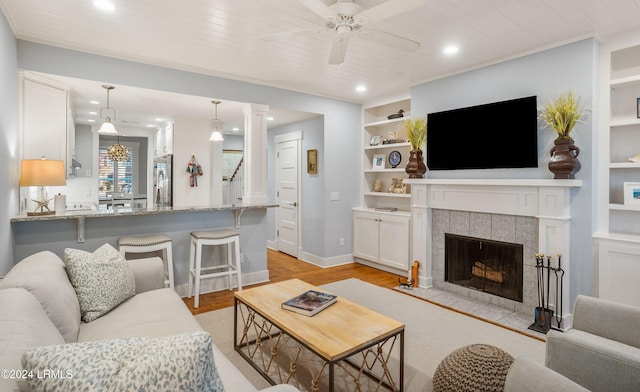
39	308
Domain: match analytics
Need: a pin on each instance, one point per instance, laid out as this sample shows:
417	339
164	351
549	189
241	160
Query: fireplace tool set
543	315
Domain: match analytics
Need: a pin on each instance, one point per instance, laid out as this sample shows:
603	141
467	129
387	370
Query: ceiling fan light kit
346	18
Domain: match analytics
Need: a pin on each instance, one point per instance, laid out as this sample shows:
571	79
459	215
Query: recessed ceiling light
159	119
104	5
91	120
94	102
235	129
269	118
361	88
93	113
150	125
451	49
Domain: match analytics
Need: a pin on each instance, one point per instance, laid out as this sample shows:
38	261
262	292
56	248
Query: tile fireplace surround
535	213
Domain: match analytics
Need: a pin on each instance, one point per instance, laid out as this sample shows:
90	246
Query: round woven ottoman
478	367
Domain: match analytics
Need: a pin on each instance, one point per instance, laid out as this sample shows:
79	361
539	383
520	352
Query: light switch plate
334	196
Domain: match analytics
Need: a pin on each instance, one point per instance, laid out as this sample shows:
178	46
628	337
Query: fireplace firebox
491	266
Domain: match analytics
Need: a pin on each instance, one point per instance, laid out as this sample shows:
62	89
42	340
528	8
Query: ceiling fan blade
292	34
318	7
339	49
388	9
389	39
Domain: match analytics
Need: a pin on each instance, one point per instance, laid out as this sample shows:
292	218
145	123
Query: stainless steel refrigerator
163	181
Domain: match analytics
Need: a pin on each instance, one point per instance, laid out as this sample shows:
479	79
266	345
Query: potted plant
562	114
416	131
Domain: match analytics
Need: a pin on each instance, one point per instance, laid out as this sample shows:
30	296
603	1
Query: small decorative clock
395	158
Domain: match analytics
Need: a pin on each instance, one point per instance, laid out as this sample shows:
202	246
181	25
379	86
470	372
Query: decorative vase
415	167
564	162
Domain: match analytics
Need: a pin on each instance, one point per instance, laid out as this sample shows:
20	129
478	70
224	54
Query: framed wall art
378	162
312	161
632	193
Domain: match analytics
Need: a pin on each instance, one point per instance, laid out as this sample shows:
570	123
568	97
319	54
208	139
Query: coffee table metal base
282	359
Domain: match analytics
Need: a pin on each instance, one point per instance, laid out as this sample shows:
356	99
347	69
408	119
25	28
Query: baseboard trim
326	262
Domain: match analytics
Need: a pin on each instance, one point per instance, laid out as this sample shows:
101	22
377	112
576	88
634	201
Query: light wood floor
282	267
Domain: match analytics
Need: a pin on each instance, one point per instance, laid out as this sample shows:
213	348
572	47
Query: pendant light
216	126
117	152
107	127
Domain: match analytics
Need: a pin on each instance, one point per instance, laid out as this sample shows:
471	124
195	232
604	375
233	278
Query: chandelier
117	152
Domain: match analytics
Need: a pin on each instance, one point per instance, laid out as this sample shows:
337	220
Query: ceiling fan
347	18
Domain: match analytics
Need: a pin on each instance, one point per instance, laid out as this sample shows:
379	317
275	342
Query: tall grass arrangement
562	113
416	131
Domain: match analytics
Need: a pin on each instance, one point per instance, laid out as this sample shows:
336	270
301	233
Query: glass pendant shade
216	126
107	128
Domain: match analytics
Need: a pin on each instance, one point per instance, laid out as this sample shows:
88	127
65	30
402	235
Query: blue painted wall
545	74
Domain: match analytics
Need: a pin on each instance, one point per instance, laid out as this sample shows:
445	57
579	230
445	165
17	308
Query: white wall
197	144
545	74
8	141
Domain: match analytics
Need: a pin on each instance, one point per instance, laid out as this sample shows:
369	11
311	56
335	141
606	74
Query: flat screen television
490	136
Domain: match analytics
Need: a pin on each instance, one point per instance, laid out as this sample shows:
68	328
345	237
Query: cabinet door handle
295	203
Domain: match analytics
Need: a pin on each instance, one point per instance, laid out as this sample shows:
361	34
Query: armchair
602	350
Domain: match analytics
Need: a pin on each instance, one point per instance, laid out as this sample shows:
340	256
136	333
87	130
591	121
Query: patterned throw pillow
173	363
102	279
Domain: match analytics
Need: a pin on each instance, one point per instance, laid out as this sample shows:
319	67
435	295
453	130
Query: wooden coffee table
346	337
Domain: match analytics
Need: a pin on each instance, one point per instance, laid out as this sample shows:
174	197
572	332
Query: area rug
431	332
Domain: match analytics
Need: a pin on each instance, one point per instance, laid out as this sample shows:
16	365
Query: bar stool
151	243
228	237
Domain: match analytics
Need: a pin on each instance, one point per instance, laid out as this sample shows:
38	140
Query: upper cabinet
385	155
44	119
164	140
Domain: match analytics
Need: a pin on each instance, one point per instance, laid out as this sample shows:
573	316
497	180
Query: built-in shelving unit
619	139
377	124
382	238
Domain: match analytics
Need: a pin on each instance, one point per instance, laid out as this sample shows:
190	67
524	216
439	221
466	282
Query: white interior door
287	192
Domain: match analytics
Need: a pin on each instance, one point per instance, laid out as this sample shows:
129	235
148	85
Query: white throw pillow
173	363
102	279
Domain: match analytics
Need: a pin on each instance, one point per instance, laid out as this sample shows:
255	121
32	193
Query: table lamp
42	172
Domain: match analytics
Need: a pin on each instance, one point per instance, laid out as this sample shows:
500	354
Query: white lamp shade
42	172
107	128
216	136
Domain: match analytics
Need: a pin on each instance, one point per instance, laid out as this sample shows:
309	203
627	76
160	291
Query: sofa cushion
173	363
151	314
23	325
43	274
102	279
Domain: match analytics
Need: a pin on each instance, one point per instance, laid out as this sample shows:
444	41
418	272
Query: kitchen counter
89	229
81	215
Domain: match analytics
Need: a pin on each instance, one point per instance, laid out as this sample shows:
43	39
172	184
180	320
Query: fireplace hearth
489	266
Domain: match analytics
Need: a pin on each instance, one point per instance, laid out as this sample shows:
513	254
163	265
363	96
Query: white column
215	196
255	153
421	234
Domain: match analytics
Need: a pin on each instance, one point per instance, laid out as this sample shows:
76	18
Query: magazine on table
310	302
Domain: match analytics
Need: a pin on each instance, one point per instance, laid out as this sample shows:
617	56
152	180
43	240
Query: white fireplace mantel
547	200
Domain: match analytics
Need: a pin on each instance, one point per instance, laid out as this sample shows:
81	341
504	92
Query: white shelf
622	207
386	146
388	194
624	165
624	122
391	170
385	122
625	81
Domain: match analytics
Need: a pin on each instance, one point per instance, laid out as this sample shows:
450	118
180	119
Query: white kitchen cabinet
164	140
382	238
44	119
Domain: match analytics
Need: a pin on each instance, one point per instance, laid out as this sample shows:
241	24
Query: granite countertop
128	211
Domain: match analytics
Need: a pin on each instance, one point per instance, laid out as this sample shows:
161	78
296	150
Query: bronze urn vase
415	167
564	162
